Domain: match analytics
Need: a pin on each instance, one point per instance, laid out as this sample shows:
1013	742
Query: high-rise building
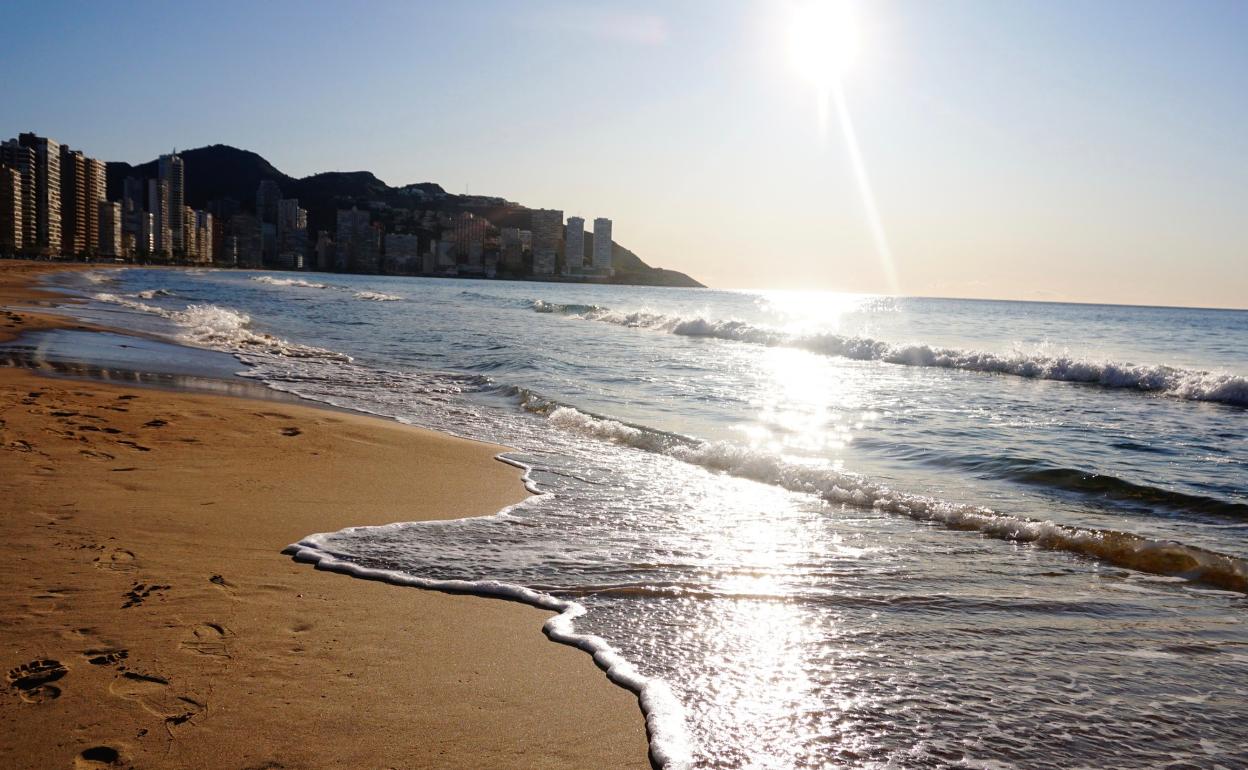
359	243
292	231
109	217
22	159
145	236
132	194
602	245
470	234
244	230
73	201
268	200
190	246
204	237
172	174
97	182
10	211
158	207
47	240
547	227
324	251
574	246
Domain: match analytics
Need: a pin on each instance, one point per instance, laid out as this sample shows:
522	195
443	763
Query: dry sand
150	621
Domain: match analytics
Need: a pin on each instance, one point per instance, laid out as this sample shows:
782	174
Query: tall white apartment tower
574	246
171	173
602	244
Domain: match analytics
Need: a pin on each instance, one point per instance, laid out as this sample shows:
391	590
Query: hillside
220	171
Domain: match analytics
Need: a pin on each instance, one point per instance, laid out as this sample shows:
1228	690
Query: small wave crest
221	328
299	282
1123	549
1187	384
154	293
376	296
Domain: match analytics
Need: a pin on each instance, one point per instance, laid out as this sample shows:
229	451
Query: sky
1031	149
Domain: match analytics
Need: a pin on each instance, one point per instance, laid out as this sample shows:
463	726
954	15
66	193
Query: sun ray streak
883	251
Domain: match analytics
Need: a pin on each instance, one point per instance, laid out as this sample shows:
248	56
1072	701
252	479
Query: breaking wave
376	296
301	283
224	329
1123	549
1188	384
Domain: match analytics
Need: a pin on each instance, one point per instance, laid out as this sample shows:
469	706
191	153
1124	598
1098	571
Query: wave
376	296
1187	384
1123	549
224	329
154	293
664	714
270	280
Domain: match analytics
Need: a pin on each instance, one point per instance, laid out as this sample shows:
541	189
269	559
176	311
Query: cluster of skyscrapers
53	202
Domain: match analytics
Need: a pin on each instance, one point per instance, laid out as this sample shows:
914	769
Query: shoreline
154	621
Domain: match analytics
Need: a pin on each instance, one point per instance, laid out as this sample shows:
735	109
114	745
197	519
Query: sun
823	41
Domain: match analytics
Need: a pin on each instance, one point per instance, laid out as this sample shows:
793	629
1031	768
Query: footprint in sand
98	756
291	431
118	560
208	639
140	592
106	657
155	423
152	692
94	455
33	680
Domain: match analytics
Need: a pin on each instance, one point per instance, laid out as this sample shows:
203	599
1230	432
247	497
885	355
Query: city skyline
1110	169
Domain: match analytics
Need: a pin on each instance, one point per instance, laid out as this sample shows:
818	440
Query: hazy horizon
1034	151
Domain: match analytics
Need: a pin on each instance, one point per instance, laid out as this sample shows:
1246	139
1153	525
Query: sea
809	529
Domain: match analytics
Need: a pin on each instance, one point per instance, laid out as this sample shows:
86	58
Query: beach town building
158	207
547	227
359	243
190	246
108	243
97	184
402	253
244	232
10	211
145	235
602	245
324	251
292	232
469	238
511	250
171	172
22	160
131	210
47	207
574	246
73	202
268	202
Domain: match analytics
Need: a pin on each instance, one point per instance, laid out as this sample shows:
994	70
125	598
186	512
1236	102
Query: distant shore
153	621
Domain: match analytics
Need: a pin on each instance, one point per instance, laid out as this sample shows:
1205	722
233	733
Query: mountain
223	172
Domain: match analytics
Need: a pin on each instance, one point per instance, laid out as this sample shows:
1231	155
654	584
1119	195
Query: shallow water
839	530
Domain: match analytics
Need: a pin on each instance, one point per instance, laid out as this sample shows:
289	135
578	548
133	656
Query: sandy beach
151	620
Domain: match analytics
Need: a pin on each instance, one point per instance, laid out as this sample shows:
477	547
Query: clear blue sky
1036	150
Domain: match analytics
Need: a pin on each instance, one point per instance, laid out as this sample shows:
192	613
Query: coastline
150	522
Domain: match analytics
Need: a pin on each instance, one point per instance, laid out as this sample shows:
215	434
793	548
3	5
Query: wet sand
151	621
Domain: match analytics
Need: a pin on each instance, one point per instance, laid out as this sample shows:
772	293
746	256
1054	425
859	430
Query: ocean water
810	529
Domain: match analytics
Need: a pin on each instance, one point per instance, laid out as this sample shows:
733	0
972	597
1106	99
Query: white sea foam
154	293
1188	384
664	714
1120	548
299	282
376	296
224	329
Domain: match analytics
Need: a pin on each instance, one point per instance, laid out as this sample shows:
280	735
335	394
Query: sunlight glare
823	41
